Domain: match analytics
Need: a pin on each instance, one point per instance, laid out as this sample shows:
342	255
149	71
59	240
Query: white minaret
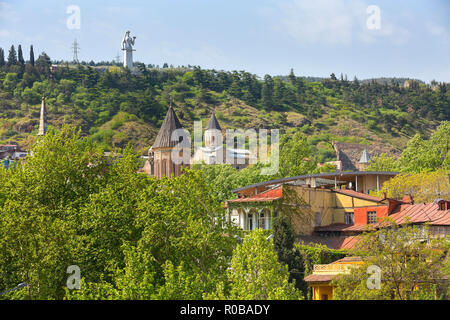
43	119
127	47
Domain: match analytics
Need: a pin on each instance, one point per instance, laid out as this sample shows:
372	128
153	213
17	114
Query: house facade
324	198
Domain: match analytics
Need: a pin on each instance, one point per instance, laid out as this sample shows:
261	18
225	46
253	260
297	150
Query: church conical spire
213	123
365	157
43	119
170	124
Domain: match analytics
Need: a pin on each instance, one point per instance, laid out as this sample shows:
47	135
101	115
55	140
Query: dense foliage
412	266
420	155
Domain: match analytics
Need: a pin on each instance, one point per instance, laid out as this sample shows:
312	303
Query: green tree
423	187
38	204
382	162
283	241
12	56
295	156
2	57
292	78
20	55
256	274
410	261
43	63
267	92
10	81
31	55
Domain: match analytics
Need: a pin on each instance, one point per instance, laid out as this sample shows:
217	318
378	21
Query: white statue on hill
127	46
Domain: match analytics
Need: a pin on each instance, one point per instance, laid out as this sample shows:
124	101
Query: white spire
43	119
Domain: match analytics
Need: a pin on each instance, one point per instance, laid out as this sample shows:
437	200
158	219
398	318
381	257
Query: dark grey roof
318	175
213	123
171	123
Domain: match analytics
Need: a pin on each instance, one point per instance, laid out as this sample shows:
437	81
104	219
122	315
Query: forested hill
114	106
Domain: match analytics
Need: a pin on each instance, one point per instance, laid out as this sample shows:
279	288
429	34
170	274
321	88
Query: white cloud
332	22
439	31
7	14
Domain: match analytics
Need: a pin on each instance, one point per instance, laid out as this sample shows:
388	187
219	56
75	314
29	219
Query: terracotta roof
340	242
319	277
342	227
213	123
420	213
269	195
417	213
356	194
170	124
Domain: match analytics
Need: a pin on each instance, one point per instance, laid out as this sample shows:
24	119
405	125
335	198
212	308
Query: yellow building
320	280
256	207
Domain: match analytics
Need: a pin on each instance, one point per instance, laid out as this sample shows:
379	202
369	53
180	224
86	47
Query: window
317	218
262	221
349	218
250	221
371	217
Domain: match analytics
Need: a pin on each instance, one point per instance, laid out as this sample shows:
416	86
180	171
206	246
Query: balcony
333	268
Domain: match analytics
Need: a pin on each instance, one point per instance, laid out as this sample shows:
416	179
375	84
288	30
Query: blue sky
315	38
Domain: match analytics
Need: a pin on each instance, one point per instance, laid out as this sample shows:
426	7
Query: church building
161	153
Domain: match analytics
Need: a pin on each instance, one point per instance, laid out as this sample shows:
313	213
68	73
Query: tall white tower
127	46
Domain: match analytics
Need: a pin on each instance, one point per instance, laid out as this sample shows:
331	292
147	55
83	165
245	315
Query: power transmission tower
117	59
76	49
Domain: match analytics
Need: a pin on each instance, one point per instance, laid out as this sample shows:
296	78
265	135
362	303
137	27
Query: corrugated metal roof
318	175
170	124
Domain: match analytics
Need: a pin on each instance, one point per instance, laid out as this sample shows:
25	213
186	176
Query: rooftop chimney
407	198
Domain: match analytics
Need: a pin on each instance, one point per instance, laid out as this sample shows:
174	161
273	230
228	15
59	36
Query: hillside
115	107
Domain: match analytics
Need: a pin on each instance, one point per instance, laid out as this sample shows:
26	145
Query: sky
401	38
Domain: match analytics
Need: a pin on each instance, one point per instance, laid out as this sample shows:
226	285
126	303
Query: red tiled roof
420	213
269	195
344	227
319	277
417	213
340	242
356	194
